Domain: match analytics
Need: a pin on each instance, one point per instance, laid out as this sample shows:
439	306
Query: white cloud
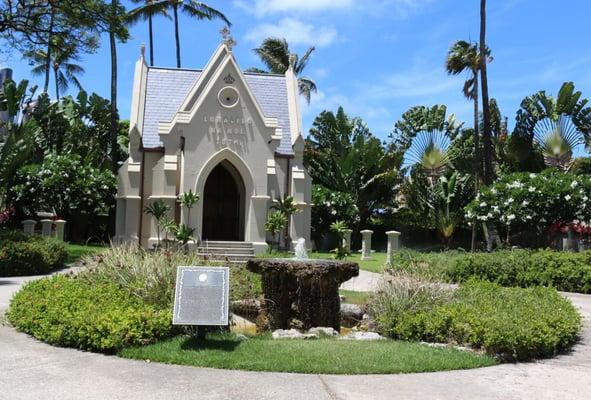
295	31
265	7
398	8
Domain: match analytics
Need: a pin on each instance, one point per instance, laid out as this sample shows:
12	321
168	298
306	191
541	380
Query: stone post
393	244
46	225
347	240
60	226
29	226
366	244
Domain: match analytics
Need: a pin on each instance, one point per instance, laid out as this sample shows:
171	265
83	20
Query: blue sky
377	58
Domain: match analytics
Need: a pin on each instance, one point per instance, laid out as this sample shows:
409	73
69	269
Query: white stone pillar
393	244
60	226
29	226
366	244
46	225
347	240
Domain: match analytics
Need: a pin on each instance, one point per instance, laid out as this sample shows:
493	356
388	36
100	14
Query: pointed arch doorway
223	204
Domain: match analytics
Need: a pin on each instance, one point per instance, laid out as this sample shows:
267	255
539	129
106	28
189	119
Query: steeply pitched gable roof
167	88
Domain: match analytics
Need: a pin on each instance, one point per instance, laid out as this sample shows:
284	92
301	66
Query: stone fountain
300	292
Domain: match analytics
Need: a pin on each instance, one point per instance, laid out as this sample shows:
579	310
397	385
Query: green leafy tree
277	57
159	210
342	155
147	11
64	184
331	206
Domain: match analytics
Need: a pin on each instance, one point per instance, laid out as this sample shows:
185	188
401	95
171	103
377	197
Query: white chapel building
234	137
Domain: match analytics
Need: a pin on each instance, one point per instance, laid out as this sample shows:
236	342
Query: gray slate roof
166	89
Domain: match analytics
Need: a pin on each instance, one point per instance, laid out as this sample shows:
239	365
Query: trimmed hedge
565	271
513	323
21	254
72	312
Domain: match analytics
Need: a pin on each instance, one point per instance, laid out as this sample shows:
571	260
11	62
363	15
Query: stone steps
218	251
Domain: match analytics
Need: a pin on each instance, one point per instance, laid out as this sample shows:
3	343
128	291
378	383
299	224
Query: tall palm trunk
476	153
57	86
114	128
151	41
48	53
486	137
175	9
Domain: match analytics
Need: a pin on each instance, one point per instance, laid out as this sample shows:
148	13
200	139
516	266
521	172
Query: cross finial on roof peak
142	50
227	38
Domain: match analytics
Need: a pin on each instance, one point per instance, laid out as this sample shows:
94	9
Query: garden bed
23	255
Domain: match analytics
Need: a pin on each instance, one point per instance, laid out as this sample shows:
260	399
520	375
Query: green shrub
514	323
73	312
565	271
21	254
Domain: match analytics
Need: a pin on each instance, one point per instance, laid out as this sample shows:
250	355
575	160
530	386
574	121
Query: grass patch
321	356
353	297
78	251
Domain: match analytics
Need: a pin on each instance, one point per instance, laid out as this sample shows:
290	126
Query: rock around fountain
301	293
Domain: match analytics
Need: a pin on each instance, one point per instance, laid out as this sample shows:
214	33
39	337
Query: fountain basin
301	294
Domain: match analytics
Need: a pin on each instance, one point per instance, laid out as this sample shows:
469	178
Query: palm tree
287	207
147	11
275	54
557	138
65	72
195	9
430	150
486	137
464	56
159	210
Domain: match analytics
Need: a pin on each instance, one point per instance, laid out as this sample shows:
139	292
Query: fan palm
147	11
430	150
275	54
557	138
65	72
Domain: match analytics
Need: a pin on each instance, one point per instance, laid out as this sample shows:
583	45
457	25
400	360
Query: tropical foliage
342	155
277	57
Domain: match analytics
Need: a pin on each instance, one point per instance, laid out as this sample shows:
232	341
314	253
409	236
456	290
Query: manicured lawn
352	297
317	356
78	251
376	264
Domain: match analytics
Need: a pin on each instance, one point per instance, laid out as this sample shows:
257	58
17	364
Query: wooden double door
223	204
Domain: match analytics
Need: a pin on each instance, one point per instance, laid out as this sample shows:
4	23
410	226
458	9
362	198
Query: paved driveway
33	370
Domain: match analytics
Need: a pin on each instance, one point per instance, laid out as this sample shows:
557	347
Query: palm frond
430	150
557	139
200	10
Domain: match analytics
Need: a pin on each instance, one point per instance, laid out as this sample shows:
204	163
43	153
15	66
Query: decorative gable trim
211	74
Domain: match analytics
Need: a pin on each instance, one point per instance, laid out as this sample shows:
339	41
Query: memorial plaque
201	296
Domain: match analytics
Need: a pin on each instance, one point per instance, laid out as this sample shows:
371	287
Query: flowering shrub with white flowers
66	184
536	201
